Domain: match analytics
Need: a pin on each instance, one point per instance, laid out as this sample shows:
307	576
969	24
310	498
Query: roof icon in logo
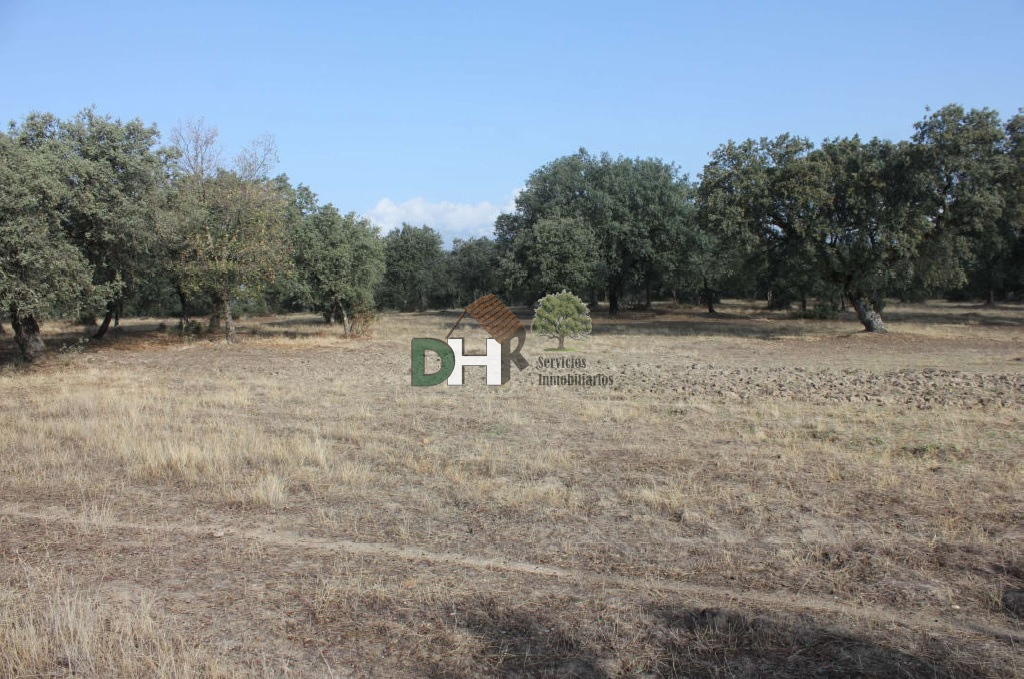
498	320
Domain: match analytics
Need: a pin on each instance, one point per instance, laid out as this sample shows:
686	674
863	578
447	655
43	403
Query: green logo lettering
420	347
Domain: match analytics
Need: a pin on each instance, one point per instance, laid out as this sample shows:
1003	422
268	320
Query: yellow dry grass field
753	495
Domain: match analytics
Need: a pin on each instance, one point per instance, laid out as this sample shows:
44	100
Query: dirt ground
751	495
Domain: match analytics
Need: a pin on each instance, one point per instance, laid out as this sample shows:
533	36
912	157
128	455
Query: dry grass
49	627
754	495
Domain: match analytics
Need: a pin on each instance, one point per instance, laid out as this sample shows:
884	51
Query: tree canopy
340	260
592	221
97	215
412	257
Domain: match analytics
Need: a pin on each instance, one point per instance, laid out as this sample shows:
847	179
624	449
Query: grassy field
752	496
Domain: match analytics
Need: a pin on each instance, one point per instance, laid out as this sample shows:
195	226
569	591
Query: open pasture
753	496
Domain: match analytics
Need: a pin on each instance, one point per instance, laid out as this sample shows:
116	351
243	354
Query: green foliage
862	218
754	199
1008	265
227	227
413	268
340	261
118	176
870	231
471	270
232	236
95	184
95	215
41	273
560	315
974	170
962	166
590	221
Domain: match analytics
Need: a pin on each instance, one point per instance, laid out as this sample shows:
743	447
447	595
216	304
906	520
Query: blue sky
437	112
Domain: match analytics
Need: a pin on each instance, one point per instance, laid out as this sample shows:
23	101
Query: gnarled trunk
229	321
27	335
105	325
347	324
336	312
867	314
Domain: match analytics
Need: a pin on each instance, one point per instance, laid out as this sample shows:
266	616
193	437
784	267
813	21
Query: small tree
41	273
412	257
562	315
340	260
229	225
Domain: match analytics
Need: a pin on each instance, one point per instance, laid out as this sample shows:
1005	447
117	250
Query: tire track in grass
704	595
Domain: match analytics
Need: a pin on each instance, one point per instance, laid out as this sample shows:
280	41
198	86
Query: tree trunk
561	342
709	297
105	324
229	322
613	301
866	313
113	312
184	307
27	335
346	323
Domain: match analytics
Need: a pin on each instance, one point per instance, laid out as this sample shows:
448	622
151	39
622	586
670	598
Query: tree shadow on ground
667	641
1005	315
716	642
293	320
516	643
681	323
720	325
81	340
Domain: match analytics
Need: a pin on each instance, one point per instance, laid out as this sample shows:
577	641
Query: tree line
849	222
99	219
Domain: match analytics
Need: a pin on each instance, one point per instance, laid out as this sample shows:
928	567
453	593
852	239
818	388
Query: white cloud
451	220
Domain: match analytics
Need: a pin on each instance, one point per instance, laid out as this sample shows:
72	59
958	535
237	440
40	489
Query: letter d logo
420	347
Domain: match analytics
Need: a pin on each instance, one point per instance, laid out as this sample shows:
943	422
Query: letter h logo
501	323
